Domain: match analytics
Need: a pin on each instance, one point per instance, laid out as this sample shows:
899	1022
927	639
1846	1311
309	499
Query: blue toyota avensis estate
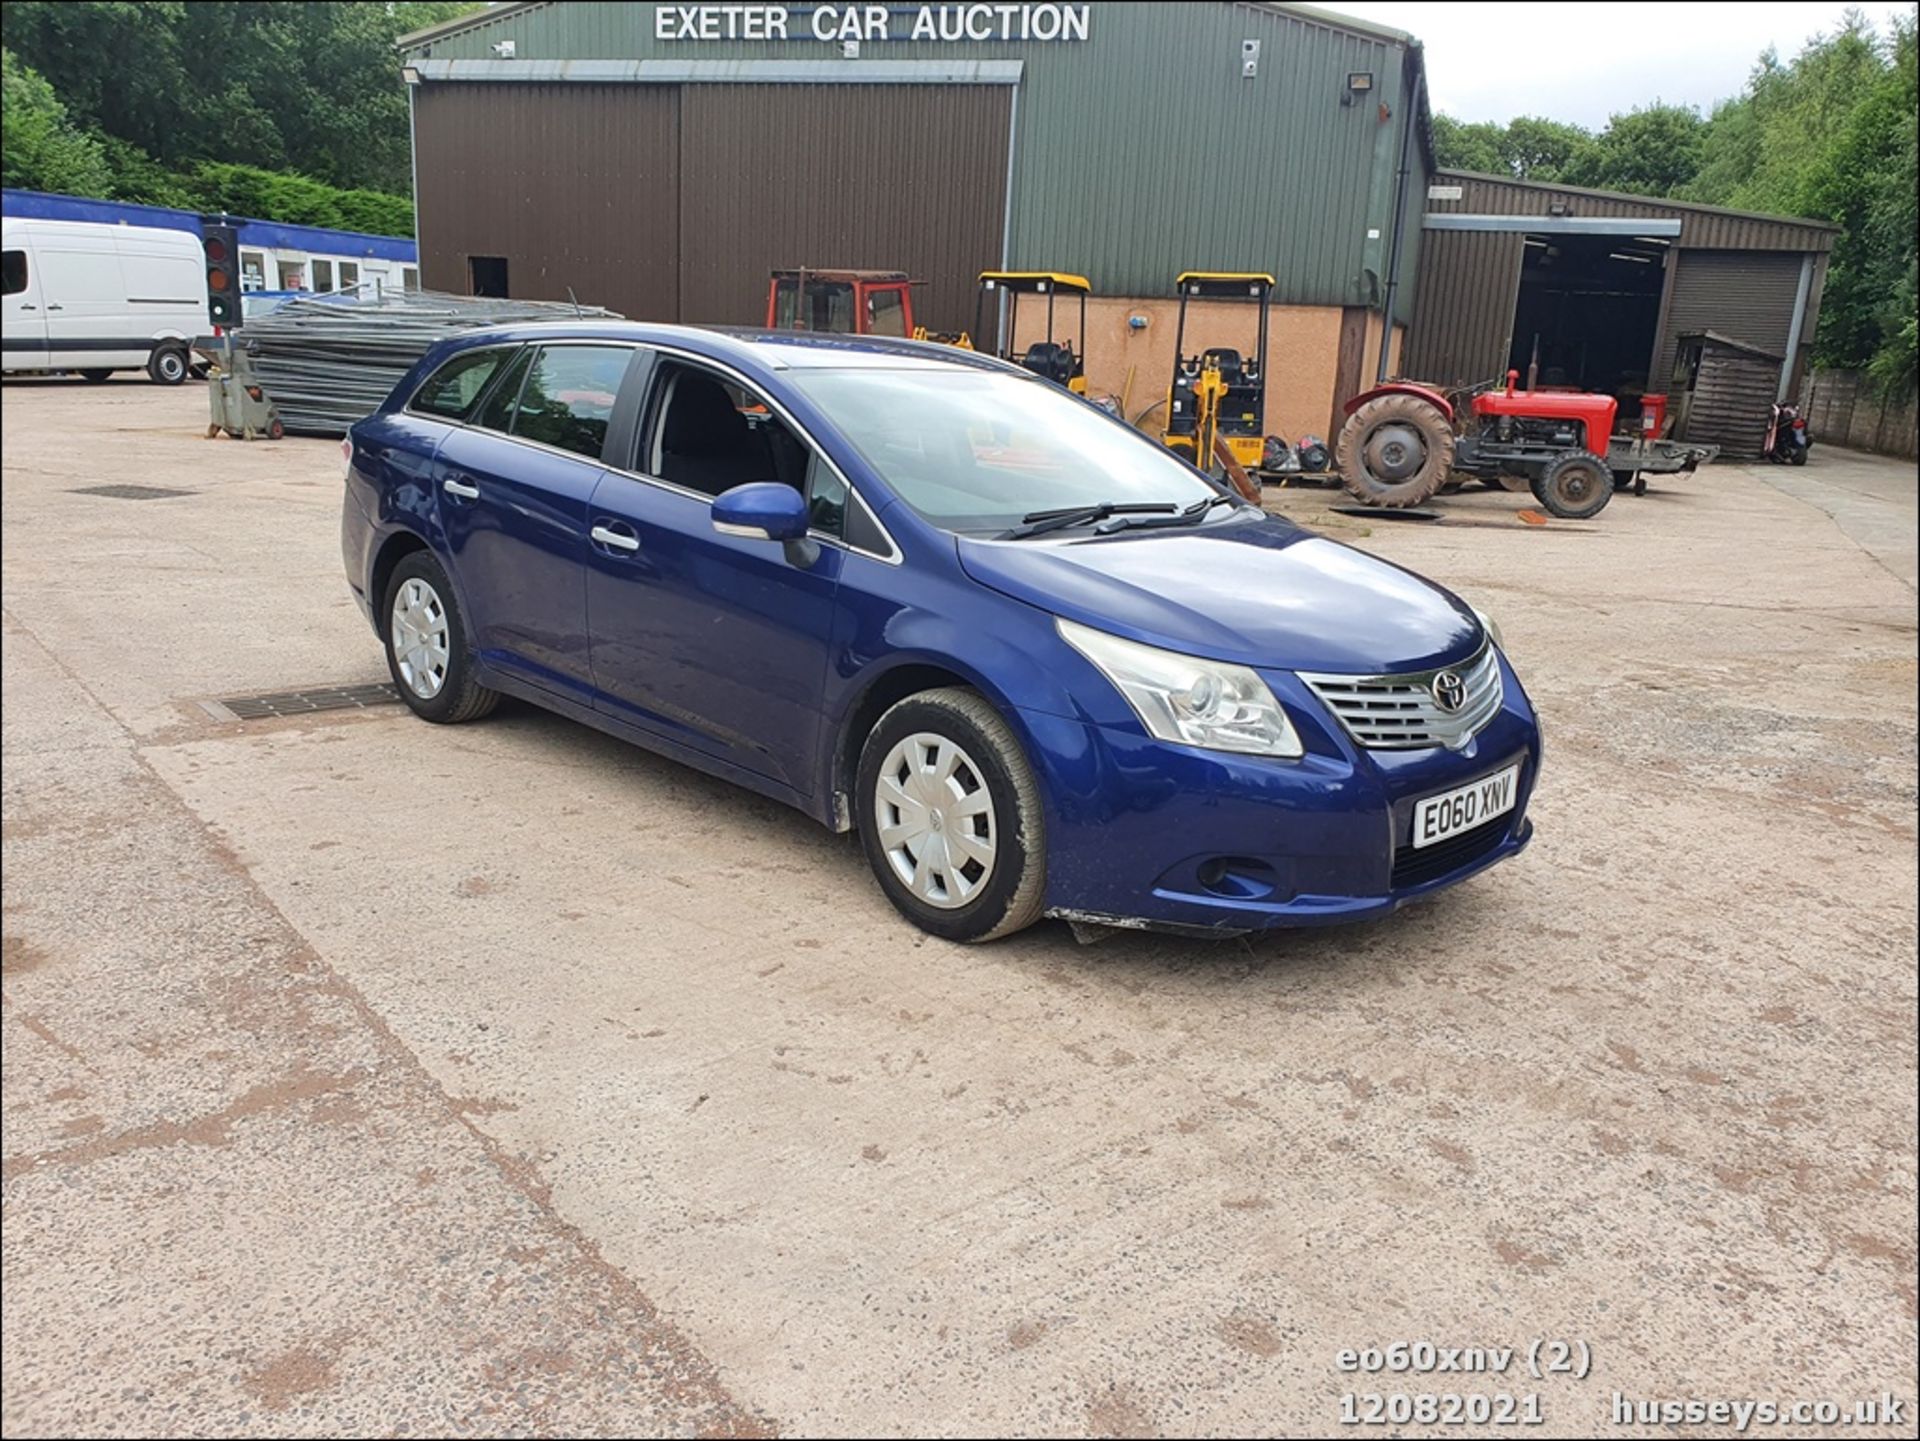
1042	666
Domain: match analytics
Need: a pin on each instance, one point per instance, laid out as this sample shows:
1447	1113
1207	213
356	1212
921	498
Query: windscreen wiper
1192	515
1039	522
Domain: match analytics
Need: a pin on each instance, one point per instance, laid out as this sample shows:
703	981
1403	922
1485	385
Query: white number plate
1452	812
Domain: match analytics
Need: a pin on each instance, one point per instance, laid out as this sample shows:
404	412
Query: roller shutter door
1745	295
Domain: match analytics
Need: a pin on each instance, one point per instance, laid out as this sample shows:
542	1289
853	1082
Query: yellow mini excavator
1051	360
1217	403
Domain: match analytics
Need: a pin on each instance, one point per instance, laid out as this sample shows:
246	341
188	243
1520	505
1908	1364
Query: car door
23	317
718	642
513	479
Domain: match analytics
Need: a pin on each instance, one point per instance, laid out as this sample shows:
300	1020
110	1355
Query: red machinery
1402	442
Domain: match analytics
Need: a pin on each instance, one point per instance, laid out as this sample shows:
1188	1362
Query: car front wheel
427	645
950	817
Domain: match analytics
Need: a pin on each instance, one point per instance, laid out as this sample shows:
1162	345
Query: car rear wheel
168	365
950	817
427	645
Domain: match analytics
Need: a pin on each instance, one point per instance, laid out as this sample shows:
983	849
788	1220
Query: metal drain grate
299	702
130	492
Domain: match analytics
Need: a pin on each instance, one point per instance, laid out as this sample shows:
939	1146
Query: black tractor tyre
96	376
1575	485
1623	480
1798	455
1394	451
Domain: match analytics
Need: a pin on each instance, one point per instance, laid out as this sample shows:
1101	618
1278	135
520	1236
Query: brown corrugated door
1745	295
893	177
572	185
1463	319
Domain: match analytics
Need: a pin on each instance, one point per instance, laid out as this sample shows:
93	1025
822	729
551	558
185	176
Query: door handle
29	307
615	539
465	492
56	307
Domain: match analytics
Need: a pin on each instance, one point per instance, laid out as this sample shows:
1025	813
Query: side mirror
767	510
764	510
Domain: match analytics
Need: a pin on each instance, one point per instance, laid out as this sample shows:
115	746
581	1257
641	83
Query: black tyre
1574	486
1798	455
1623	480
950	817
426	640
96	376
1395	450
168	364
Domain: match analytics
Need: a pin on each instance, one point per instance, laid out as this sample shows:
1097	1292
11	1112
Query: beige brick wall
1303	344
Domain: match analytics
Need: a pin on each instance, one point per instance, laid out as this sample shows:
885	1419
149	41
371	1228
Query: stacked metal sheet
327	361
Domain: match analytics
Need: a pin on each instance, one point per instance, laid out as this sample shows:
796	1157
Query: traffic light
221	245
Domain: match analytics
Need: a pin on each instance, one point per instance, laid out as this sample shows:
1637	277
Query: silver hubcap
936	821
418	636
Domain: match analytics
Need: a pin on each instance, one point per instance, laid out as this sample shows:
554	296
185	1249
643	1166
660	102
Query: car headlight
1490	626
1189	701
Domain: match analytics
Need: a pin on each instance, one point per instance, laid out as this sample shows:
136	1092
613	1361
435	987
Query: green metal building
661	159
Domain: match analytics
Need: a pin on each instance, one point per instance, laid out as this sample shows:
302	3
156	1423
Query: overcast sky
1583	62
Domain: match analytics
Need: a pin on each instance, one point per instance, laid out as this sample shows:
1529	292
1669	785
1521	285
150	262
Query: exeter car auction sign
870	22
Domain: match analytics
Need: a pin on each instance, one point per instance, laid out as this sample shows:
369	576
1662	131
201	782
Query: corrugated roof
1651	202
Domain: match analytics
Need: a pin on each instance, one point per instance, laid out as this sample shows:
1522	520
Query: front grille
1416	868
1399	712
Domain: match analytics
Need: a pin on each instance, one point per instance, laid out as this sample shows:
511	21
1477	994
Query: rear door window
13	266
568	397
450	392
496	411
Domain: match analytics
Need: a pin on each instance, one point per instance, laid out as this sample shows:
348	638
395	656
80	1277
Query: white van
100	298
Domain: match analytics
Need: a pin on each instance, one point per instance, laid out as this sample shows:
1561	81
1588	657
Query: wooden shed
1722	392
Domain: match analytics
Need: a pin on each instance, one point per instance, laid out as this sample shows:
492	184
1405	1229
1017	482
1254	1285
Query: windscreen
976	452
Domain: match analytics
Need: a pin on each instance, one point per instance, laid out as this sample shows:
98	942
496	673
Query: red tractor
1403	442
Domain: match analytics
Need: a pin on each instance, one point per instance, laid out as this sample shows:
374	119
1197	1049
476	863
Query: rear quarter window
450	392
568	398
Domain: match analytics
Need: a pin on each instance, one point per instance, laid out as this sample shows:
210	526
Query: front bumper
1143	834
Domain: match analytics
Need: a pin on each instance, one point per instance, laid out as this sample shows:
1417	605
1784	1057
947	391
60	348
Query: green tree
1656	150
314	86
1479	147
43	150
1540	149
1527	147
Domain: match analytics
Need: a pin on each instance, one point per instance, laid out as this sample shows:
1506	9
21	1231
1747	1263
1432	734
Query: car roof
758	349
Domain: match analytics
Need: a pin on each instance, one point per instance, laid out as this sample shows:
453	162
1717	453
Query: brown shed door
570	185
893	177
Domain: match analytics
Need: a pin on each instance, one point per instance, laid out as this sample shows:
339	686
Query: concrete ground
362	1075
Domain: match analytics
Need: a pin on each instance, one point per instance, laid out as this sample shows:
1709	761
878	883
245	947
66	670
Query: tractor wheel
1574	486
1394	451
